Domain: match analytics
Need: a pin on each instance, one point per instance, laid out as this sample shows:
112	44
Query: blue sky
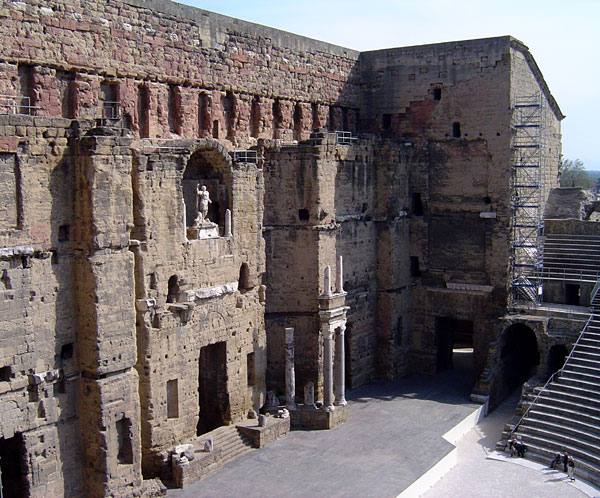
562	36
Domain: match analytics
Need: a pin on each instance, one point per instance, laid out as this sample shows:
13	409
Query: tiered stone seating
571	257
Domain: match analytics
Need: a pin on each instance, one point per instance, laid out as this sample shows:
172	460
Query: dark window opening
437	94
228	104
203	114
386	121
417	204
215	129
125	454
398	333
172	399
174	109
303	214
315	116
250	369
415	271
487	199
331	124
5	374
365	206
66	351
144	111
277	118
345	124
297	122
255	118
556	358
67	92
63	233
173	289
244	280
572	292
456	130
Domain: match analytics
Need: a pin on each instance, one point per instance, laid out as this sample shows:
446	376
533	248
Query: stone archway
519	355
209	166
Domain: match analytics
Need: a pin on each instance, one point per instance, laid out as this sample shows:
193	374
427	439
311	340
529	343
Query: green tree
573	174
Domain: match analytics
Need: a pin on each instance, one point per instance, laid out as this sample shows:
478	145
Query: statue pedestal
204	230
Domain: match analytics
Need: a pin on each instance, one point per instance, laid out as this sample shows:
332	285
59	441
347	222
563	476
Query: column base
316	418
341	402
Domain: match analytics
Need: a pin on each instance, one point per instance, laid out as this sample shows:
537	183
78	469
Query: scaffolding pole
528	194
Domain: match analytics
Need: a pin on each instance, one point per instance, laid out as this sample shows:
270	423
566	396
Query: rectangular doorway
454	341
12	466
213	397
572	293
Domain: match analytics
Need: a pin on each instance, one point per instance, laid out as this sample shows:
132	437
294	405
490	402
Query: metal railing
245	156
592	296
16	104
111	110
345	137
162	145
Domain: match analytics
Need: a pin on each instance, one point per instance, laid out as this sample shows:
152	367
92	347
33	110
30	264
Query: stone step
588	340
580	353
586	348
590	389
566	427
575	404
585	363
587	373
570	393
543	455
555	443
560	439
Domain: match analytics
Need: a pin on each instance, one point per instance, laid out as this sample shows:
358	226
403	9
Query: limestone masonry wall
132	324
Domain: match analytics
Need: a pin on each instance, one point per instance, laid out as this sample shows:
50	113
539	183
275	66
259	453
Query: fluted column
328	369
340	369
290	375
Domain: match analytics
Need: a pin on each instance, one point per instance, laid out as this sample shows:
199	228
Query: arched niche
209	167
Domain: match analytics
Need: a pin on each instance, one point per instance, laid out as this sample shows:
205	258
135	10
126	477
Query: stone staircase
565	414
229	443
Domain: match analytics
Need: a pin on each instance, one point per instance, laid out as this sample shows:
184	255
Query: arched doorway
210	168
519	356
556	358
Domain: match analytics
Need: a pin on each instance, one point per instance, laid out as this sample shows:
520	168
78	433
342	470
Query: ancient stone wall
172	70
129	324
452	103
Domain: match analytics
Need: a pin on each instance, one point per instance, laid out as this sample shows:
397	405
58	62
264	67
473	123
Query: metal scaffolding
528	160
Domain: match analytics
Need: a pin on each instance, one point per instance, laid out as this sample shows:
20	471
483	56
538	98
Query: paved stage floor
392	437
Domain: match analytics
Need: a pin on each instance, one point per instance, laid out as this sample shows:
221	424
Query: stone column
340	369
185	239
327	281
327	369
227	223
290	376
339	281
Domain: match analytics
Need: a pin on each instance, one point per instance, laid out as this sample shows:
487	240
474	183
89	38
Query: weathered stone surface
126	330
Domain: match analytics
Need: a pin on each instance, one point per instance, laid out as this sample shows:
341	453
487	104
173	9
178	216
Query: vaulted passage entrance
212	388
12	466
519	355
454	343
